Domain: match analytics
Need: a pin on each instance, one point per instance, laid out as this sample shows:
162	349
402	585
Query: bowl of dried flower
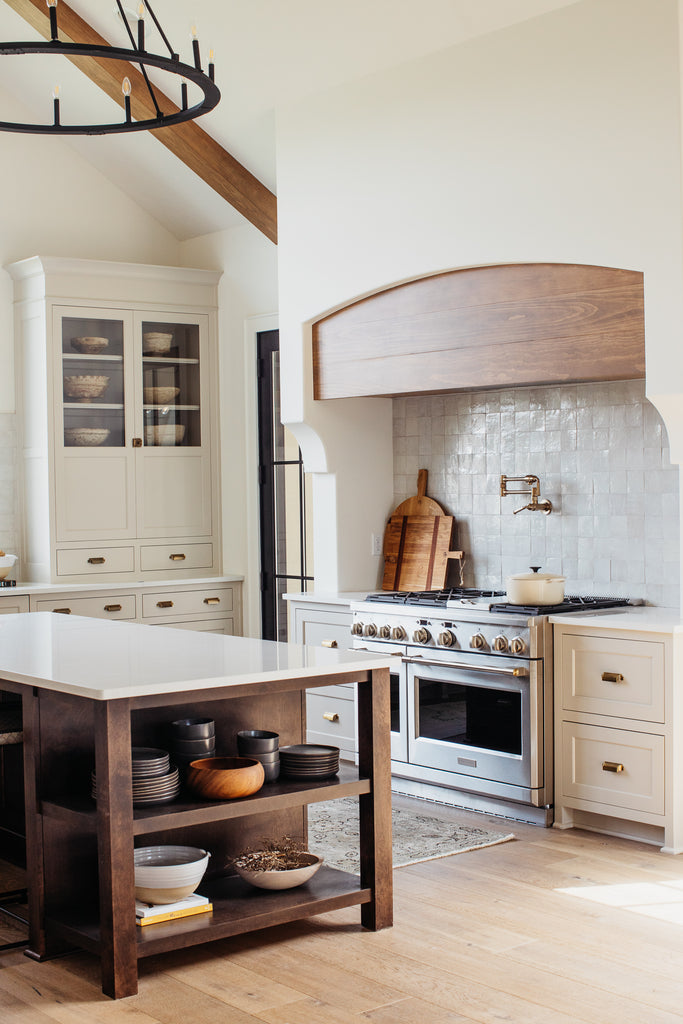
281	864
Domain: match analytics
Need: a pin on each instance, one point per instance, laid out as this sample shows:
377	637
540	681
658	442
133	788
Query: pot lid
536	575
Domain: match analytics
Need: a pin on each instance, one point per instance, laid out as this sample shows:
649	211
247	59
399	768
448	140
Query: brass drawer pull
99	560
112	607
164	604
612	766
331	716
212	600
179	557
329	643
612	677
136	442
62	611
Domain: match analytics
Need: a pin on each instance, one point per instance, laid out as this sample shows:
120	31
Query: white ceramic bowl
165	434
160	395
85	386
281	879
156	343
88	437
6	563
91	346
164	874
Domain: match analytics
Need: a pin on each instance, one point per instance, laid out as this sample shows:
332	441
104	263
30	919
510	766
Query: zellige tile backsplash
602	456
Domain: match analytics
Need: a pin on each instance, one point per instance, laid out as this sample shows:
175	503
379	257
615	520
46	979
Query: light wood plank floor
486	936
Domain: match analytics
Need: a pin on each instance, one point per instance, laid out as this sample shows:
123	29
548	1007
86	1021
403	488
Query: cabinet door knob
329	643
112	607
180	557
164	604
331	716
136	442
612	766
99	560
62	611
212	600
612	677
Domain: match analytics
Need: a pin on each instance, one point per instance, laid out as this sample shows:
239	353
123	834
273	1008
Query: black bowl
270	757
271	770
198	747
193	728
257	741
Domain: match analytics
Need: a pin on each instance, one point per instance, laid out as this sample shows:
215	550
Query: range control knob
500	643
447	638
422	636
385	632
357	629
370	630
398	633
517	645
478	641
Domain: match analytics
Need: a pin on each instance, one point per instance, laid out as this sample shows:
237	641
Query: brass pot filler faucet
533	487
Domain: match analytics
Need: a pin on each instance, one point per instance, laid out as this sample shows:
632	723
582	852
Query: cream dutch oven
535	587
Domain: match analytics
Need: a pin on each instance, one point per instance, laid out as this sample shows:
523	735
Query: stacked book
146	913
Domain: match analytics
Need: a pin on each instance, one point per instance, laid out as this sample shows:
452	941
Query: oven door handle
517	671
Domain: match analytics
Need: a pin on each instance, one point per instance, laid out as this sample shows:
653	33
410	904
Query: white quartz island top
106	660
641	619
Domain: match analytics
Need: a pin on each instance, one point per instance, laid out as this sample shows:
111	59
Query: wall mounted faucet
533	488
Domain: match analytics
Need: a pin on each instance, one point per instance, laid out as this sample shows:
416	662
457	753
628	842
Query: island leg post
374	761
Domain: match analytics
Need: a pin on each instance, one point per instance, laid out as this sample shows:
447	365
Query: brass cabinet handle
612	677
331	716
329	643
212	600
62	611
99	560
164	604
136	442
177	558
612	766
112	607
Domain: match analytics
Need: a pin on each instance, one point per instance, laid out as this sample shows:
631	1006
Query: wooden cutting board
417	551
419	504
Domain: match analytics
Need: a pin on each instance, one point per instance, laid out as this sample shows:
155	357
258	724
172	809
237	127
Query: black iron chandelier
137	54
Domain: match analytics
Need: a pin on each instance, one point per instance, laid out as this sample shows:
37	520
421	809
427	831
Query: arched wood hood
486	327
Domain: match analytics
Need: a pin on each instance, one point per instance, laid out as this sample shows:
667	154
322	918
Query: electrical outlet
376	544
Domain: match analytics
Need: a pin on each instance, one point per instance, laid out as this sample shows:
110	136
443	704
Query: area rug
333	832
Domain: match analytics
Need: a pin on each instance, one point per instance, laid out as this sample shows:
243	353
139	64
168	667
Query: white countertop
105	660
35	589
329	597
642	618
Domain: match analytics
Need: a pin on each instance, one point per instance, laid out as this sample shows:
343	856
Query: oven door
477	719
399	694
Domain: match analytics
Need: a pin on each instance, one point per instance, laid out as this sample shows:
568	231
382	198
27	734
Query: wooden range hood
483	328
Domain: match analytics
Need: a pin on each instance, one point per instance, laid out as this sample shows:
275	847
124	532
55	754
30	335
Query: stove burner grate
433	598
570	604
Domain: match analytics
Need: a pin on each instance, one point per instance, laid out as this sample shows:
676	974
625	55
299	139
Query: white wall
555	140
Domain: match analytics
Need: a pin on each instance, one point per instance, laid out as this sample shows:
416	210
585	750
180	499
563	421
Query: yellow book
172	915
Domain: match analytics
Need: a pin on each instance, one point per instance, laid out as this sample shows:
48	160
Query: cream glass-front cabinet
119	420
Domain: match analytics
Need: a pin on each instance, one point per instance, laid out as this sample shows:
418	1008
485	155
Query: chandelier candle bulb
141	27
210	68
52	7
55	103
183	94
195	49
126	89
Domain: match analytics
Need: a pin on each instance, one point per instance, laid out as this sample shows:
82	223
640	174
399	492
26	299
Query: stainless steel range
471	696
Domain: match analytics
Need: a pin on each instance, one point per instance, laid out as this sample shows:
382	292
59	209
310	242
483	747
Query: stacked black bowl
192	738
262	746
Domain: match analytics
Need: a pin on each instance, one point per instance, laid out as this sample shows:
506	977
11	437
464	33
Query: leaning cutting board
419	504
416	552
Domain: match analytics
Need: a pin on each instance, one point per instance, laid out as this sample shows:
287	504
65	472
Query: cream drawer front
590	751
10	605
331	630
171	603
331	720
608	676
224	626
175	556
119	607
94	561
344	691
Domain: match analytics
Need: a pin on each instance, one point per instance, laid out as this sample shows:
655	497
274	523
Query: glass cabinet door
171	384
93	382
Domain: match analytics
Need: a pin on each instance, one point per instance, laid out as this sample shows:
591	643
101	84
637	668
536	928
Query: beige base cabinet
331	712
211	605
116	383
616	763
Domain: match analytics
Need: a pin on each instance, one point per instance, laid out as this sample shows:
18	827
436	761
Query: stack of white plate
155	780
309	761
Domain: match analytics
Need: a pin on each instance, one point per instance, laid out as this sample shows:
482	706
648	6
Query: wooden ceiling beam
190	143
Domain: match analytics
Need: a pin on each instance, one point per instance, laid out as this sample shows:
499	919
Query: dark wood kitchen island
91	690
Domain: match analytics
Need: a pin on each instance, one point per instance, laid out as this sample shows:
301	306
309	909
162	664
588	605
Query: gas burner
447	598
570	604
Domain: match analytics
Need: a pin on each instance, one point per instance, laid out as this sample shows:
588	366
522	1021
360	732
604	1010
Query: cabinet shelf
79	357
89	406
237	908
171	408
184	811
174	360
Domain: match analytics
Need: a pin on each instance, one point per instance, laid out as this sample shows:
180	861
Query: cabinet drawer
170	603
610	676
588	751
224	626
9	605
339	728
118	607
175	556
94	561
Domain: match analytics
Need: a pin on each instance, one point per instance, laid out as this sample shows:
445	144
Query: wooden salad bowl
225	778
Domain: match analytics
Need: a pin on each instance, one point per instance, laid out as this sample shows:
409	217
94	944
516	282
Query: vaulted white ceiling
268	53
